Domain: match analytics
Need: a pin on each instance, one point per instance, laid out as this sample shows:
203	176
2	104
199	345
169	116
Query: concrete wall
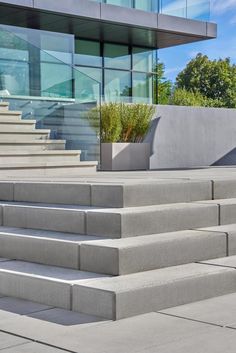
189	137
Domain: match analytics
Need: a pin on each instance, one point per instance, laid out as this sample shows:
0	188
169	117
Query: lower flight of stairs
117	250
25	150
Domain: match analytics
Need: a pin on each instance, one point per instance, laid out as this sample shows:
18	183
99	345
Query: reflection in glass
88	89
174	7
117	85
198	9
14	78
117	56
125	3
143	59
54	85
87	53
142	87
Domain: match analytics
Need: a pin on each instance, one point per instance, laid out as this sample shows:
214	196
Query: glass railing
192	9
45	86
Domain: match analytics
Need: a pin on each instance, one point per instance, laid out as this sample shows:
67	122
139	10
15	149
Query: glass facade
126	73
192	9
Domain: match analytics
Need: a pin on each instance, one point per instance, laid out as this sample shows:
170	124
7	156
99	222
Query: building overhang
103	22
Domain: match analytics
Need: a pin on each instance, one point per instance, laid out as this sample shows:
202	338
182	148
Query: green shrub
181	96
122	122
142	115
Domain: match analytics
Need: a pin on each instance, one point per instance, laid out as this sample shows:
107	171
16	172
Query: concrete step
144	253
112	223
21	125
10	115
43	168
40	283
230	232
4	106
32	157
45	247
227	262
9	135
129	295
31	145
227	209
114	195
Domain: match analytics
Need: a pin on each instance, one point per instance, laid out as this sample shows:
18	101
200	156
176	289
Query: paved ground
204	327
197	173
208	326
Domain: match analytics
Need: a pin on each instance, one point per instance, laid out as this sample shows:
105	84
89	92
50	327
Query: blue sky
223	12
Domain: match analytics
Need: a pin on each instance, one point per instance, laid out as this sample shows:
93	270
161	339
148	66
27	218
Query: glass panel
59	46
142	88
143	59
52	92
14	78
87	53
146	5
54	85
117	85
125	3
89	89
198	9
173	7
117	56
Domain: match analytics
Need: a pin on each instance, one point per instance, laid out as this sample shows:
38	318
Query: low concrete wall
191	137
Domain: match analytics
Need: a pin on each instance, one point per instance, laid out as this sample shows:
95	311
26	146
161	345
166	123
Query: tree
213	79
162	86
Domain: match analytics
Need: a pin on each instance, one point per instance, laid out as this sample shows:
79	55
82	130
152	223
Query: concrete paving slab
7	341
66	318
145	333
217	341
143	253
33	348
20	306
218	311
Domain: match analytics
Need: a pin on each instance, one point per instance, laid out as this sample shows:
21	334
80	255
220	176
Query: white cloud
219	6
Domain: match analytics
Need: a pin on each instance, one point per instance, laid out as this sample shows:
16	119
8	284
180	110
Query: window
117	56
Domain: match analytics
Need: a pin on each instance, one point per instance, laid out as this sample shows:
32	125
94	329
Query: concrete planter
125	156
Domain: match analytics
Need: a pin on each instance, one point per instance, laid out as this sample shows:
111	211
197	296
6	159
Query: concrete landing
207	326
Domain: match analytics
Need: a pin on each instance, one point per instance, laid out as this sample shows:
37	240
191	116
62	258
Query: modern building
58	58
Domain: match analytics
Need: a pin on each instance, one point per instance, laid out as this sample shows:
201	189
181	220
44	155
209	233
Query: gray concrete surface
44	284
230	231
45	247
116	223
143	253
227	209
186	137
134	294
122	194
149	333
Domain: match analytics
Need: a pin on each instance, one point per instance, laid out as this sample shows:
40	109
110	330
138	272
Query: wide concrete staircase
120	249
25	150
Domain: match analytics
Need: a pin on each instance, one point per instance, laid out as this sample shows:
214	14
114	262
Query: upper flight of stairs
25	150
117	249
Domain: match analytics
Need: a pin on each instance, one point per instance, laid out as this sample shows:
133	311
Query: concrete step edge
129	295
